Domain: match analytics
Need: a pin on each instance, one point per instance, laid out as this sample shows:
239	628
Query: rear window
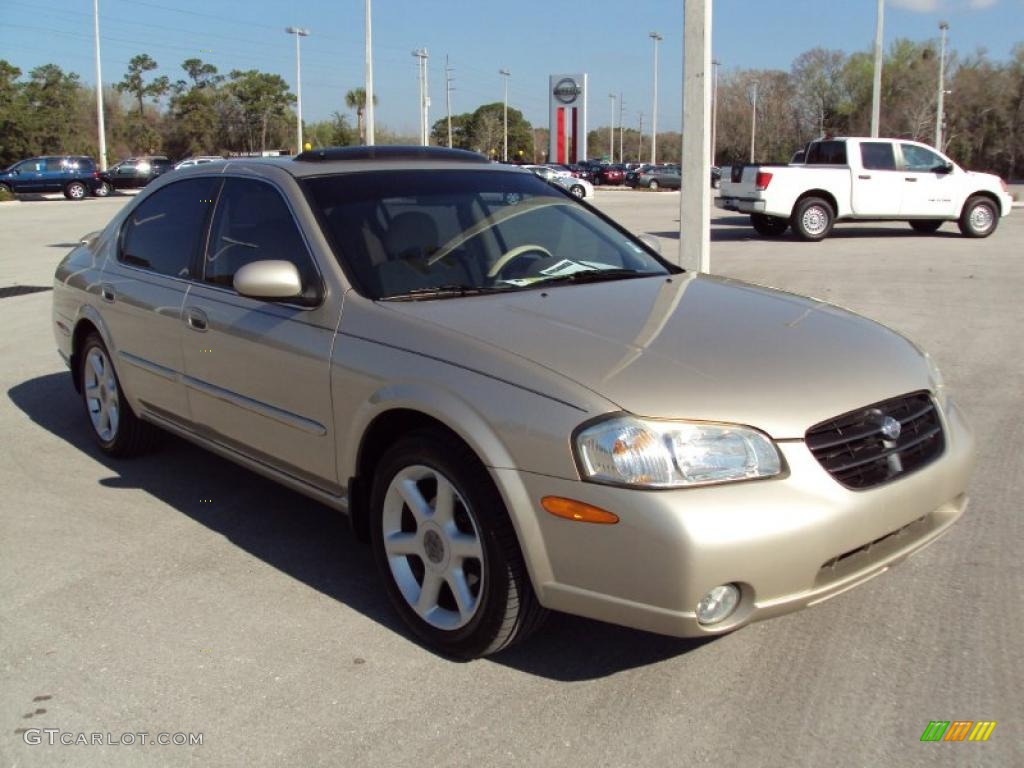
826	153
877	156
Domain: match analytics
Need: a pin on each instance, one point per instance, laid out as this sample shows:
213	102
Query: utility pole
368	86
421	55
640	149
943	27
505	74
753	119
611	131
299	33
695	196
448	97
622	123
876	87
714	112
100	124
654	107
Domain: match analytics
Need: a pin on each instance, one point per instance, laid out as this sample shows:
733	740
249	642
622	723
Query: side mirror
946	167
270	279
651	242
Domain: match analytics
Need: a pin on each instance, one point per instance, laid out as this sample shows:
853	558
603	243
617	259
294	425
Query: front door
258	372
928	188
878	183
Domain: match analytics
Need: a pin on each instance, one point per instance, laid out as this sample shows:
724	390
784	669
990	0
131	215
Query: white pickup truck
865	180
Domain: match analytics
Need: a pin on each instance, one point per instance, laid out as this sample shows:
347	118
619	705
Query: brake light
762	181
95	174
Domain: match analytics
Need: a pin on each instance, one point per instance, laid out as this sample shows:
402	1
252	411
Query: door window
917	158
164	232
253	223
877	156
826	153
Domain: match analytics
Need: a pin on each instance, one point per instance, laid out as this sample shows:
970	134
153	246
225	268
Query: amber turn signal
577	510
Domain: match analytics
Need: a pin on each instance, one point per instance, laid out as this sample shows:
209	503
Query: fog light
718	604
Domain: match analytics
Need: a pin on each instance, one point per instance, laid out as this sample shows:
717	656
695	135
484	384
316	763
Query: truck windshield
444	233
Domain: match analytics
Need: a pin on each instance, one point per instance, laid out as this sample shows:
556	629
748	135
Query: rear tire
103	190
979	218
115	427
925	226
7	188
578	191
768	226
429	553
812	219
76	190
653	186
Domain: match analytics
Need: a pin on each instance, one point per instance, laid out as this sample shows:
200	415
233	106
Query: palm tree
356	99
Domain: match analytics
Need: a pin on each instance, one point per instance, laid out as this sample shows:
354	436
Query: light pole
622	123
876	87
505	74
654	107
100	125
448	97
640	148
943	27
368	74
299	33
714	112
753	119
611	131
421	55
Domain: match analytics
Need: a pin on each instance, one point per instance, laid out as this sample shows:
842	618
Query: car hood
695	347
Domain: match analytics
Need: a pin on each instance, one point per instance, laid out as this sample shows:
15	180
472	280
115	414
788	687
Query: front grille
856	452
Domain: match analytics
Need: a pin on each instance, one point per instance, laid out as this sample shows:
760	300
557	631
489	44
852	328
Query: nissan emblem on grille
891	428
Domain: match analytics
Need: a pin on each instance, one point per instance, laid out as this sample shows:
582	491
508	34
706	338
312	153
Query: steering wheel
506	258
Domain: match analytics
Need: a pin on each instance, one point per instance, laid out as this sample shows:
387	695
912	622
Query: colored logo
958	730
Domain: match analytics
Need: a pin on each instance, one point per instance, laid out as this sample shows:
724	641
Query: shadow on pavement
312	543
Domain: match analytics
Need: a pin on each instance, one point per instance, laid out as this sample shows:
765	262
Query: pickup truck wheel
769	226
446	549
812	219
925	226
979	218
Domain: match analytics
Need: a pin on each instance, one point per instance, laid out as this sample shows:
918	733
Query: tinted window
917	158
253	223
826	153
877	156
165	231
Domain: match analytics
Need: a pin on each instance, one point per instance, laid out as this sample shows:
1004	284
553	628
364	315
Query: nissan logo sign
566	90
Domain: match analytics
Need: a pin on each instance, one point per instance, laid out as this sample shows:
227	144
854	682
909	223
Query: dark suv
134	172
74	175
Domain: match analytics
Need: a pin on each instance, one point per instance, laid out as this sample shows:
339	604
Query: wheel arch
824	194
88	322
986	193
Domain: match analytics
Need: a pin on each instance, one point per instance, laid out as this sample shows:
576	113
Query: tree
260	107
461	130
336	132
356	99
14	116
817	77
135	84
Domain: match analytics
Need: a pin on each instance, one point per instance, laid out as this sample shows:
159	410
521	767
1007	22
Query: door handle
107	293
196	319
864	176
909	178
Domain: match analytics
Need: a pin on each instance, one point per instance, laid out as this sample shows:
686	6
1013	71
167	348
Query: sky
607	39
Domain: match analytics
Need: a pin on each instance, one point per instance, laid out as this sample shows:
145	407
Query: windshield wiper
594	276
447	291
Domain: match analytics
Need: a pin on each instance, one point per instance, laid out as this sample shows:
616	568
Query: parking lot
182	594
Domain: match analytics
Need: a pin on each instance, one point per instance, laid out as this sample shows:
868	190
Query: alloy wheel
101	395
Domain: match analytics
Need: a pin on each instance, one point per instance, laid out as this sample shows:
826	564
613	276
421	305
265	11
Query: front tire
446	549
653	186
103	190
812	219
115	427
7	188
768	226
979	218
578	191
75	191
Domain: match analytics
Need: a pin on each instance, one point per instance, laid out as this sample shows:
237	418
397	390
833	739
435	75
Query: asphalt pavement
181	594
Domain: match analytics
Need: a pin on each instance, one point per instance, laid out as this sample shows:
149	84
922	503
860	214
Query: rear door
928	189
258	372
878	182
144	288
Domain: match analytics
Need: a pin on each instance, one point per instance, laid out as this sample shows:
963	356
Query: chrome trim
263	409
149	366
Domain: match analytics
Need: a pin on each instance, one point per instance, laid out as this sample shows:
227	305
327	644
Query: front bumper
788	542
741	204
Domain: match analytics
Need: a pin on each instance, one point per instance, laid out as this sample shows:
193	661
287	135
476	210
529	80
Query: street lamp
876	86
422	56
611	131
714	112
654	109
943	27
299	32
753	118
368	85
100	127
505	74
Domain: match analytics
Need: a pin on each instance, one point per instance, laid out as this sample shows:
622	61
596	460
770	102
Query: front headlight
626	450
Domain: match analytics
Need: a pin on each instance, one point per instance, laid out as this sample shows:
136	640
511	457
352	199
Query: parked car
632	176
74	175
522	406
200	160
716	177
580	188
582	171
134	172
612	174
865	179
662	177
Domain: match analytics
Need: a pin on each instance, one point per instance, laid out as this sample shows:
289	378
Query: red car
612	174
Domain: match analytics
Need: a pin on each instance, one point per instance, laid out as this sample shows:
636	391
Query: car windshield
436	234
